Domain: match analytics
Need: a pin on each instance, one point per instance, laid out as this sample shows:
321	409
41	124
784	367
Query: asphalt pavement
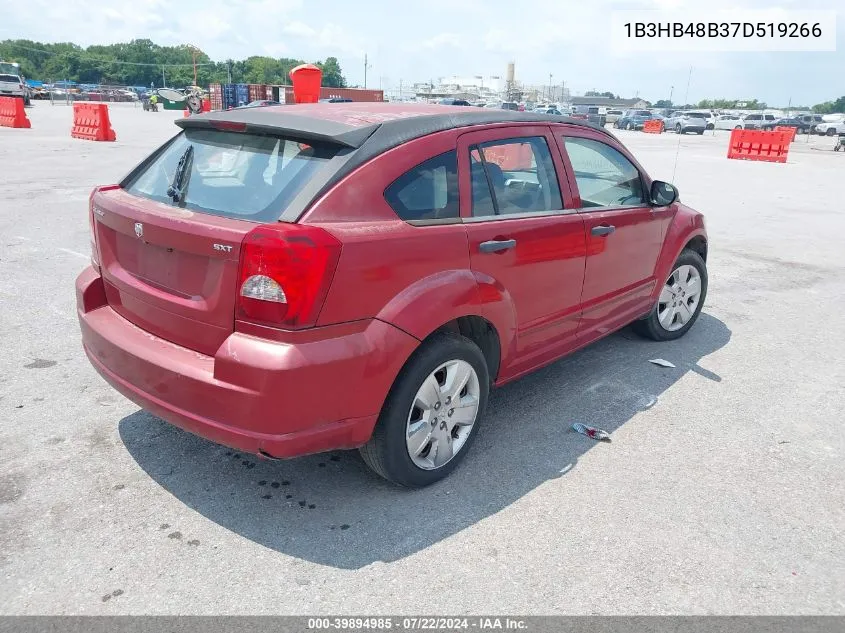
722	492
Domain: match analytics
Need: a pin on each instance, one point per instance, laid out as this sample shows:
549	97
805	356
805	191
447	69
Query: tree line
141	62
827	107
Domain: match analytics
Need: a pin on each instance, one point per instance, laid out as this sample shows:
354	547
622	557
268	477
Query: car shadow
330	509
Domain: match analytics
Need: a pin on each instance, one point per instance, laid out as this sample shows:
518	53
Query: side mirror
663	194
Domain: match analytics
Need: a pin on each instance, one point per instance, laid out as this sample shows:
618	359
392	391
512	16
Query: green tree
829	107
663	103
593	93
140	62
332	75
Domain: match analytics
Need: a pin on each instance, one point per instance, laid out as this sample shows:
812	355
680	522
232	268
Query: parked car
707	115
453	102
509	105
593	114
260	103
336	100
757	121
13	86
265	278
683	122
810	121
800	126
831	128
729	122
613	115
633	119
547	111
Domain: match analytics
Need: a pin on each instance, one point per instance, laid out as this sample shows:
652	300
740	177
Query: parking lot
722	492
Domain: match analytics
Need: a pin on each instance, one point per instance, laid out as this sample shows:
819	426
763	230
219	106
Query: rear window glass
643	113
11	78
429	191
697	115
245	176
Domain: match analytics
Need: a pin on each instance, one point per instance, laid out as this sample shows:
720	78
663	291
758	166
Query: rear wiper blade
177	188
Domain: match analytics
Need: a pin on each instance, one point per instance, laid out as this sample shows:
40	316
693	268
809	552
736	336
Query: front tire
629	126
431	415
831	132
678	129
680	300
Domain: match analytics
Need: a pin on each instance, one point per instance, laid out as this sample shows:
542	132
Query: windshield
243	176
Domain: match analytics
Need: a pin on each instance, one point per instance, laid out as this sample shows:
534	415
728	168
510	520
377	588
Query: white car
831	128
707	115
757	121
729	122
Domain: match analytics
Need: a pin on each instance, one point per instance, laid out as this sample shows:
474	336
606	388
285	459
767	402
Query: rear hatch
168	241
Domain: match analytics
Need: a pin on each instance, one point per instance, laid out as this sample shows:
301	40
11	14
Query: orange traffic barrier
91	122
653	126
12	113
771	147
791	130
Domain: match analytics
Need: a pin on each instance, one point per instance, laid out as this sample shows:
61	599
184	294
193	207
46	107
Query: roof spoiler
270	121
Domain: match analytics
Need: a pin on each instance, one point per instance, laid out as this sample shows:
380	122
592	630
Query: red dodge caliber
295	279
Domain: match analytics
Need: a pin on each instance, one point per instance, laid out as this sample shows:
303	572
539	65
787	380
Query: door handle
603	229
496	246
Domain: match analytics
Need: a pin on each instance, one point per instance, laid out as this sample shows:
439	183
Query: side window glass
429	191
605	177
513	176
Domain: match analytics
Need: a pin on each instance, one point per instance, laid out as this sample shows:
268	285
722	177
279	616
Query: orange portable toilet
306	79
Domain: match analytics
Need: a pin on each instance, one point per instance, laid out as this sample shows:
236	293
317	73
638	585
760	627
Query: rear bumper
308	392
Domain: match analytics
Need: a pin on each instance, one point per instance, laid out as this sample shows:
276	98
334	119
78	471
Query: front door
623	231
522	239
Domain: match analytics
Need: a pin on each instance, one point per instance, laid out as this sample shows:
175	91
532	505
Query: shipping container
326	92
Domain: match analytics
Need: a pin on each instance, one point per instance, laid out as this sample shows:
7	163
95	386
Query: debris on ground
592	432
662	362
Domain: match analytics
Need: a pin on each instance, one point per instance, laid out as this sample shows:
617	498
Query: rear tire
831	132
388	453
656	325
629	126
678	129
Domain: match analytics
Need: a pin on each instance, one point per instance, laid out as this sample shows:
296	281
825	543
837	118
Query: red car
291	280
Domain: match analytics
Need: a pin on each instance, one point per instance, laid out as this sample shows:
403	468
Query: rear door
168	248
524	237
623	232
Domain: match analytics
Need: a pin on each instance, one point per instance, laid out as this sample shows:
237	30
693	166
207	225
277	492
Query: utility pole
366	66
550	86
229	70
400	90
671	91
163	82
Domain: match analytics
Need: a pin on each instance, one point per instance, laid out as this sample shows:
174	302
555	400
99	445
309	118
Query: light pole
671	91
366	66
550	86
481	91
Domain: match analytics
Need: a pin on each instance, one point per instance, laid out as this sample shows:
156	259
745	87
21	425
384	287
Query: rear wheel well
699	245
481	332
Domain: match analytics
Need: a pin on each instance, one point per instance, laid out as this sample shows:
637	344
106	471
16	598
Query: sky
420	40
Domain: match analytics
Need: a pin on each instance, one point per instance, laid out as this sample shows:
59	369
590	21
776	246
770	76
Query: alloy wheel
442	414
679	298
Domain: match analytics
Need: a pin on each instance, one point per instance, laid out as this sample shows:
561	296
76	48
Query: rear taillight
285	273
92	211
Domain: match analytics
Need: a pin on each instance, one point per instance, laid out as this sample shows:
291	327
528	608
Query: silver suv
682	122
757	121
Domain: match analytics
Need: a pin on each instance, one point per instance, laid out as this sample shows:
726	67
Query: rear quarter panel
415	277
